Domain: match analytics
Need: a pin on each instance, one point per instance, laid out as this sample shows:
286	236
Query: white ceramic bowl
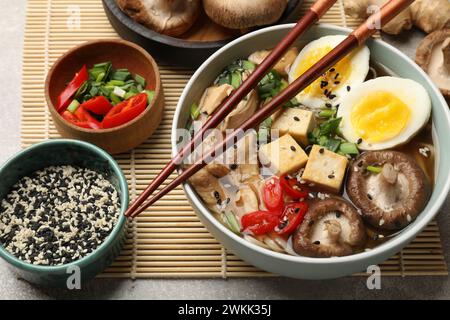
304	267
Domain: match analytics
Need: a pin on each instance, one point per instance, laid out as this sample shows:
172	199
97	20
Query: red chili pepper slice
98	105
125	111
71	89
293	188
85	116
273	195
70	117
259	222
292	216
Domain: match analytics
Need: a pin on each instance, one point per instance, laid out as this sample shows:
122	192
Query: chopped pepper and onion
103	97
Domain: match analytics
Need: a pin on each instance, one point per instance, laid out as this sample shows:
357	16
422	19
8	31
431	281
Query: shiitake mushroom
391	198
331	227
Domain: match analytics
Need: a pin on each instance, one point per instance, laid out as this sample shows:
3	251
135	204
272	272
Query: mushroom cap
433	56
169	17
244	13
391	199
331	227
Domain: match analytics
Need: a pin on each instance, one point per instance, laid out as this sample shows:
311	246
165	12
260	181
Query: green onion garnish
327	113
73	106
348	148
195	111
114	99
232	222
374	169
140	80
150	95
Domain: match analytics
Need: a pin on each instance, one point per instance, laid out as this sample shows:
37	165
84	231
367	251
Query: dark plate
172	50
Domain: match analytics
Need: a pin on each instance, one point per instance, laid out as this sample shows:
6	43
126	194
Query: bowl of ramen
340	178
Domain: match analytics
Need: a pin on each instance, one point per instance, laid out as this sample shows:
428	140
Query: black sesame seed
283	224
360	164
369	197
296	118
216	195
233	166
348	88
336	76
337	82
316	242
328	105
331	176
331	96
332	70
293	148
338	214
321	150
359	141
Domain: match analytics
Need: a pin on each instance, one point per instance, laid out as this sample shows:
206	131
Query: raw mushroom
170	17
331	228
392	198
243	14
433	55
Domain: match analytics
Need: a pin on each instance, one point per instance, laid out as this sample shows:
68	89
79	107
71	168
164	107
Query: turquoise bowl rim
440	114
91	258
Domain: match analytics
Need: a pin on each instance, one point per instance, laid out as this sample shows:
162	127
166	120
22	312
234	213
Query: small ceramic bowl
304	267
67	152
122	54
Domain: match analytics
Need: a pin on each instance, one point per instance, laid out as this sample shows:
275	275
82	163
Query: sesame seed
381	222
316	242
408	217
369	196
296	118
348	88
331	176
293	148
332	70
321	150
359	141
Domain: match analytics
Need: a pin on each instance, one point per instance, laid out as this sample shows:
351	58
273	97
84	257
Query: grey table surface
12	18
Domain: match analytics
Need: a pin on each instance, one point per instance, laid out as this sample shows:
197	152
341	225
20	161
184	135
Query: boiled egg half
336	82
384	112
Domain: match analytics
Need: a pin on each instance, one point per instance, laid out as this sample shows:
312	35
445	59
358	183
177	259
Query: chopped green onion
333	144
81	90
247	65
100	77
236	79
102	65
330	127
150	95
224	80
232	222
139	88
140	80
129	94
116	83
195	111
93	91
121	75
119	92
73	106
349	148
327	113
114	99
374	169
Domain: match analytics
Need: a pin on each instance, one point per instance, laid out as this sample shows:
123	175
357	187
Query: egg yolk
379	116
329	81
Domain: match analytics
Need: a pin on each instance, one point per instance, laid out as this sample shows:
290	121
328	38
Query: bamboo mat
168	240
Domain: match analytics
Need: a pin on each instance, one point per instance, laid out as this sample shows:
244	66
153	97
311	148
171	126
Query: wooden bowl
190	49
122	54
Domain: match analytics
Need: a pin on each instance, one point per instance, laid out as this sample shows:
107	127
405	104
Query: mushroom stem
333	227
389	173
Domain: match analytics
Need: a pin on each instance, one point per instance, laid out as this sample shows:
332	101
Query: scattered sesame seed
359	141
369	196
331	176
408	217
316	242
348	88
293	148
321	150
296	118
381	222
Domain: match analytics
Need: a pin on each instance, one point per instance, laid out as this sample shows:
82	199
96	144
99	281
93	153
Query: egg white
359	70
408	91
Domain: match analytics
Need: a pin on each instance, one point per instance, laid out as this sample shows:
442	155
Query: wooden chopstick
356	38
311	16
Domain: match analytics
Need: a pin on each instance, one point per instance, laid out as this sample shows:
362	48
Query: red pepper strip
292	216
71	89
84	116
273	196
69	117
98	105
259	222
293	188
125	111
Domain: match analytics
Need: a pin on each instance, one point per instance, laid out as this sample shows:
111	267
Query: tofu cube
283	155
325	169
297	122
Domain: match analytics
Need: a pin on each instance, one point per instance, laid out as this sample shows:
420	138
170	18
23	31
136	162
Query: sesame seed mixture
58	215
